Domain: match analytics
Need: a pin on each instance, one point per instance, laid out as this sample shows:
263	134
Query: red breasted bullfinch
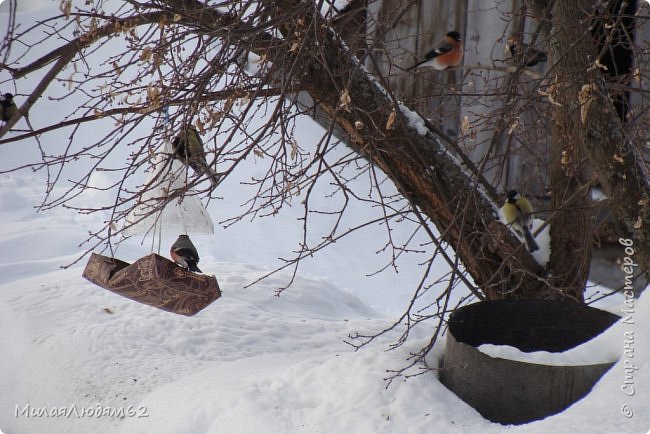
7	107
523	54
184	253
517	212
448	54
188	148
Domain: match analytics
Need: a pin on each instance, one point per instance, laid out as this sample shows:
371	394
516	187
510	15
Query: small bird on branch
7	107
517	212
188	148
448	54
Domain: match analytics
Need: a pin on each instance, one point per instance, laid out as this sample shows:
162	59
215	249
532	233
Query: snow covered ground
251	361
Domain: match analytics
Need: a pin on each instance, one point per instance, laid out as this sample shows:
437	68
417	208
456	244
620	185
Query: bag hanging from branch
185	215
155	281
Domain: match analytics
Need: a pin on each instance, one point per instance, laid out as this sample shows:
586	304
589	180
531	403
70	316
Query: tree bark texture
570	168
588	133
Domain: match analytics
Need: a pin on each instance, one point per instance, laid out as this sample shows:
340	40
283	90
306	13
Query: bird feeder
155	281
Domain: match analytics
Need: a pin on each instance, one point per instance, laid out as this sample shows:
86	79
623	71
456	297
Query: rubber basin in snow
513	392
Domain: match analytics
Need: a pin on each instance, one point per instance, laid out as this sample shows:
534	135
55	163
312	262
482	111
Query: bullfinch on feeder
184	253
448	54
517	212
188	148
523	54
7	107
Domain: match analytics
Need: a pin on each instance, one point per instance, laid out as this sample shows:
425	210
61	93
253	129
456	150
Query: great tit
448	54
7	107
188	148
523	54
517	212
184	253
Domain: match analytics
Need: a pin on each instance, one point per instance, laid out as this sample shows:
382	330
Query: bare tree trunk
588	133
570	169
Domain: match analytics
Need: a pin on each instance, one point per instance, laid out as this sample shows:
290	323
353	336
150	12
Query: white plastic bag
183	215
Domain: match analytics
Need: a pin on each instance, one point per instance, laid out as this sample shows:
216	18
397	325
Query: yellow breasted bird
188	148
7	107
517	212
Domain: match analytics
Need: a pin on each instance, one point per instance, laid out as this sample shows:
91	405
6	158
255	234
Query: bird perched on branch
184	253
523	54
448	54
188	148
7	107
517	212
